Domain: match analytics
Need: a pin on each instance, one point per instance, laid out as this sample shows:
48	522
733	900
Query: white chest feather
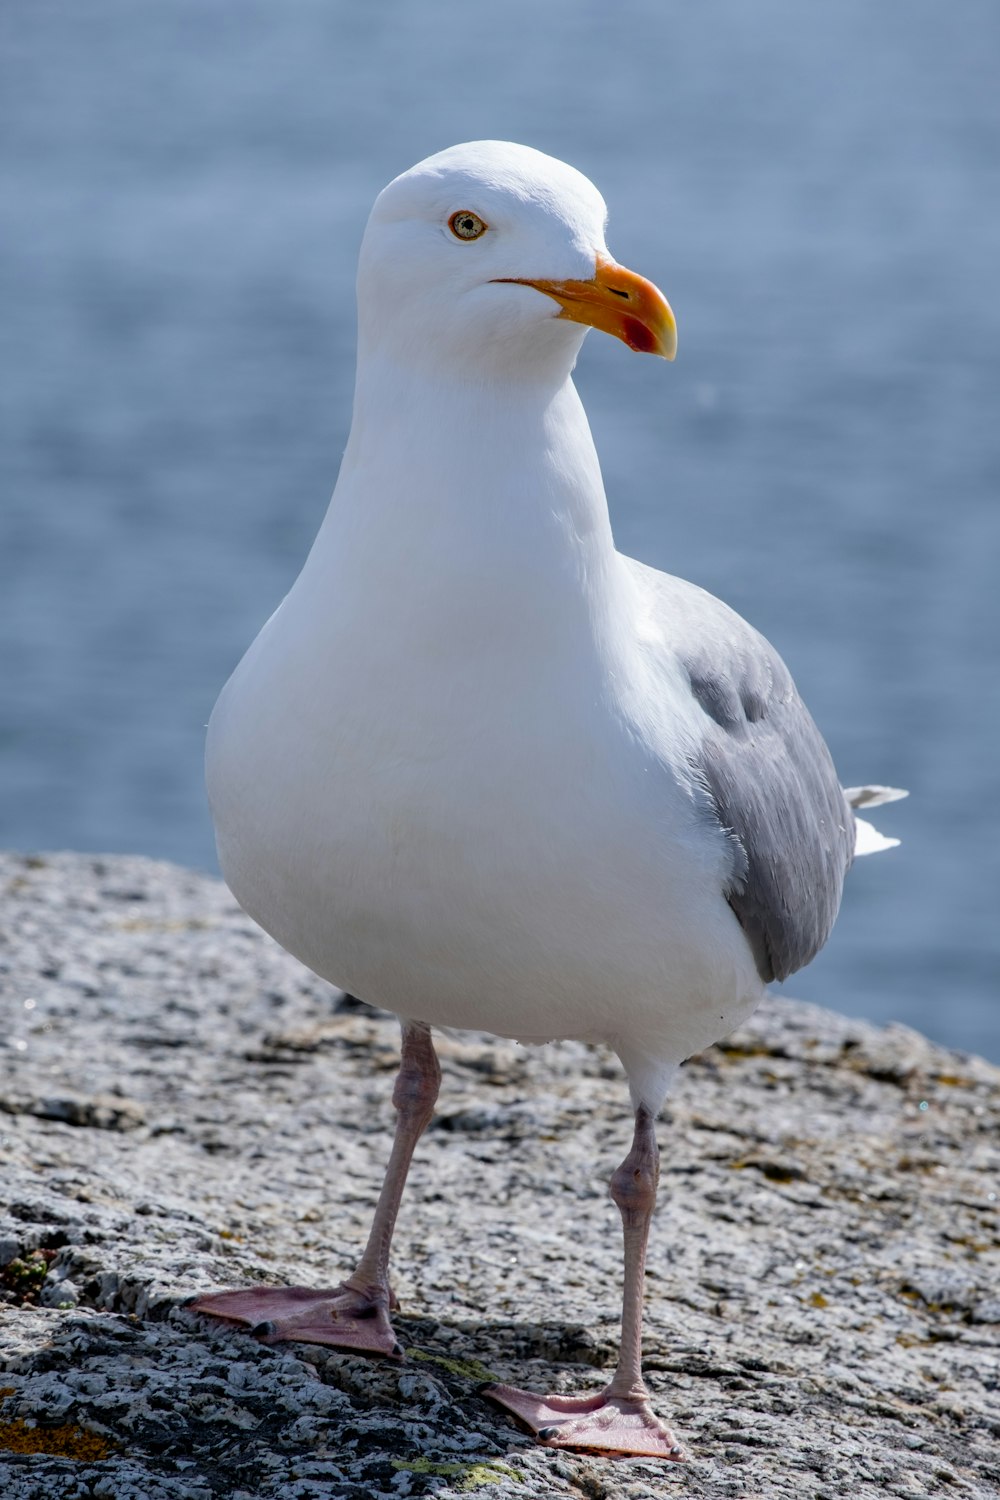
428	785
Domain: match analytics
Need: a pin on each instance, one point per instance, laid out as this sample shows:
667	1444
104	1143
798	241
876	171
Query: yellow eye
465	225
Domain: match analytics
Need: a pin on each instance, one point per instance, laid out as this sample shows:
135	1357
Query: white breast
473	847
435	776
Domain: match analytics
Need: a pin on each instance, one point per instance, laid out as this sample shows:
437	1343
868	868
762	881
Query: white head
490	259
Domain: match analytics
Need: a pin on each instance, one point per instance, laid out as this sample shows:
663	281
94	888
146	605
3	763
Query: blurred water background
815	187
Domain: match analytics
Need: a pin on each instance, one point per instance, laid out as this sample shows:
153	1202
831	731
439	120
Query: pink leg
354	1314
619	1419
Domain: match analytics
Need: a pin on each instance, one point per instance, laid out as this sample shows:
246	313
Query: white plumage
479	768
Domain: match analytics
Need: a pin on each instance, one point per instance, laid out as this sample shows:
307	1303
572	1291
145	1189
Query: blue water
817	190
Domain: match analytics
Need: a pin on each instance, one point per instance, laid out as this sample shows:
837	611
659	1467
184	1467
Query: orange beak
617	301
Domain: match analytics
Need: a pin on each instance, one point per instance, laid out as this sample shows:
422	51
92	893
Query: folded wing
769	777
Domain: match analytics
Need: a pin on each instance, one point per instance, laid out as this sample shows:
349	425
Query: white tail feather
872	796
868	840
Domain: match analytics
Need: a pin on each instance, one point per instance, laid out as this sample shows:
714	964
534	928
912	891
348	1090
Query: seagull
485	772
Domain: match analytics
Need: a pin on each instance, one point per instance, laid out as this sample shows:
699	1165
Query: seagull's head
490	258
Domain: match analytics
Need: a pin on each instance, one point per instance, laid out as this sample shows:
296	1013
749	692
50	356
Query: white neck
470	505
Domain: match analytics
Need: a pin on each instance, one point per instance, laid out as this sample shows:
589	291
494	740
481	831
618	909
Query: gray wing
769	775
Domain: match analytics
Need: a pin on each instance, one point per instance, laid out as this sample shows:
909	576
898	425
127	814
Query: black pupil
468	226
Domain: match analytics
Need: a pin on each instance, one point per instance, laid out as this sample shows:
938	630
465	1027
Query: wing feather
768	773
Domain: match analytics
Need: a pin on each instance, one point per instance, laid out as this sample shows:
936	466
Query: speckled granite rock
182	1106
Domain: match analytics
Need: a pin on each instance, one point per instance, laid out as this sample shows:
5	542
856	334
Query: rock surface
182	1106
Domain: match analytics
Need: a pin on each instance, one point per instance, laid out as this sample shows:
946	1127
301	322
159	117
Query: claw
598	1424
340	1316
